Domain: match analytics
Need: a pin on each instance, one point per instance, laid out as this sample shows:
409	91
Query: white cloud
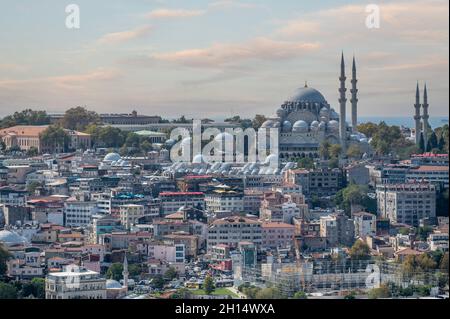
120	37
222	54
174	13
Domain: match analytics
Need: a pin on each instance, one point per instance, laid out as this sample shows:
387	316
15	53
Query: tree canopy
56	138
25	117
208	285
360	251
4	255
355	195
78	118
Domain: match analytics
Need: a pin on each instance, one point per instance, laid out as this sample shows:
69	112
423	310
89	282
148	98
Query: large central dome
307	94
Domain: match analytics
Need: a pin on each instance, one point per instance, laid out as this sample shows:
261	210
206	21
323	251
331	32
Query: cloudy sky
220	57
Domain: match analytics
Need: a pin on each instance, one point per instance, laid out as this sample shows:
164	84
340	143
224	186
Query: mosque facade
306	120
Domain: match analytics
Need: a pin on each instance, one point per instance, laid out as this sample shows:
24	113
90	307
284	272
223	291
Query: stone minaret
425	117
354	99
125	273
417	116
343	105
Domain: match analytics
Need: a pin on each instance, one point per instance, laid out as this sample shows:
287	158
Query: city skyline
159	56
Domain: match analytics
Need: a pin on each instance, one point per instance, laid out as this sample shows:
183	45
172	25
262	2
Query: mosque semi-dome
287	126
268	124
334	125
300	127
10	238
112	157
113	284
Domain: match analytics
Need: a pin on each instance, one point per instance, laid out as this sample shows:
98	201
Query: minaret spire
425	117
417	116
125	272
343	105
354	99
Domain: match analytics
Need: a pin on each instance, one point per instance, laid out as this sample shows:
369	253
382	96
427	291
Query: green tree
34	288
354	151
382	292
355	195
433	141
78	118
306	163
182	120
25	117
409	266
33	186
171	274
443	266
269	293
423	232
300	295
360	251
208	285
158	282
333	163
335	150
324	150
425	263
258	121
388	139
135	270
422	144
350	296
56	138
8	291
146	146
32	151
369	129
133	140
111	137
182	293
442	203
115	271
2	146
15	149
4	256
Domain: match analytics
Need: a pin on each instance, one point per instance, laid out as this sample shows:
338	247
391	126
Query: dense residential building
337	229
365	224
130	214
434	174
233	230
78	213
406	203
175	253
277	234
225	200
438	241
75	283
318	182
171	202
12	196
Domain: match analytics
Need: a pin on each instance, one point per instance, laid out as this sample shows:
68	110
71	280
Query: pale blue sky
220	57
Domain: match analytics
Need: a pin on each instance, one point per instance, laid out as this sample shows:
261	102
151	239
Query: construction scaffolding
337	277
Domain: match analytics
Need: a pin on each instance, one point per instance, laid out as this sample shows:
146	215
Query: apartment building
171	202
78	213
365	224
233	230
406	203
277	235
130	214
75	283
